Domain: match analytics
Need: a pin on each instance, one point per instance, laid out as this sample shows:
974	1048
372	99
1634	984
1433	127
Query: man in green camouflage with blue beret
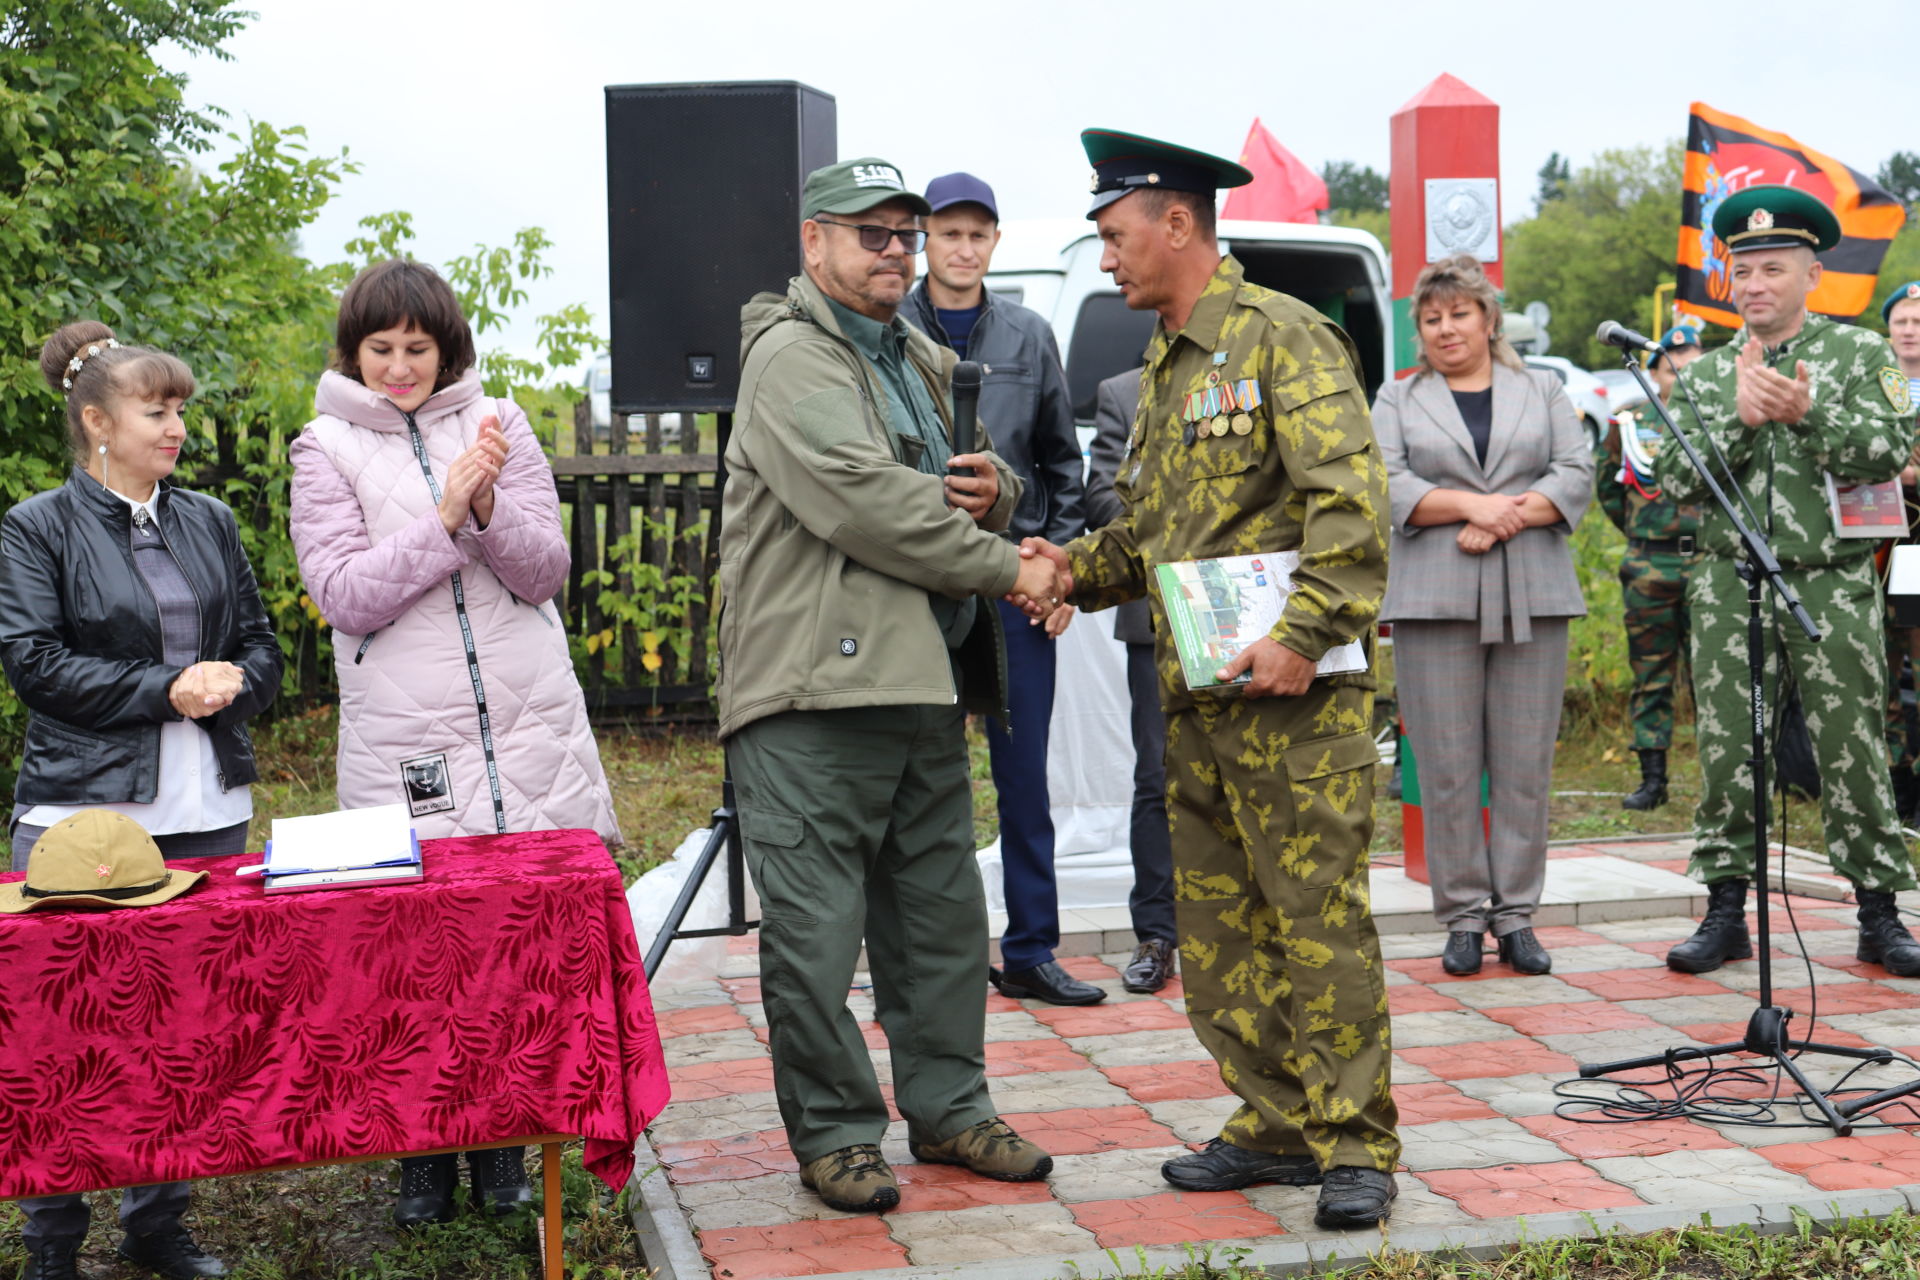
1253	436
1653	574
1792	401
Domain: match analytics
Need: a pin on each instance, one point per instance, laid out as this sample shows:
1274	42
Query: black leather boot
171	1253
1883	939
1722	935
53	1260
426	1190
500	1180
1521	951
1653	782
1463	952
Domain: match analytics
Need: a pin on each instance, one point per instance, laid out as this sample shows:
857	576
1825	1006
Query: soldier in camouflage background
1653	577
1901	314
1792	397
1253	435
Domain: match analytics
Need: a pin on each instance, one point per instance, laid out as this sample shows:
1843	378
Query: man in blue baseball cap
1023	399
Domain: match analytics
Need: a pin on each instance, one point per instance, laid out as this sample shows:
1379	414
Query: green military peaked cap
1124	162
855	186
1775	217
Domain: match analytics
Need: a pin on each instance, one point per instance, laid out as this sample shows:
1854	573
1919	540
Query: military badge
1759	220
1899	390
1913	290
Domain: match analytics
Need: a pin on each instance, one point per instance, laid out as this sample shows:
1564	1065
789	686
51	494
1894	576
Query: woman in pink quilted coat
428	533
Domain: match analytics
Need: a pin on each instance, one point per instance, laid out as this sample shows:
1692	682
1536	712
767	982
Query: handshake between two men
1046	580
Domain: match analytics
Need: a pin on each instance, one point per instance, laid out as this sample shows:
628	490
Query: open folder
346	847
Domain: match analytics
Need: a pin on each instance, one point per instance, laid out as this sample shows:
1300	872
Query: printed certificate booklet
1218	607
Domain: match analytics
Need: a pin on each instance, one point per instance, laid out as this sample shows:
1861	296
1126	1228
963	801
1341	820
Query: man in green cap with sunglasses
1795	403
853	642
1252	436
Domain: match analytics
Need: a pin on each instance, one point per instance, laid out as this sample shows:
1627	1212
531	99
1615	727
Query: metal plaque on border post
1463	217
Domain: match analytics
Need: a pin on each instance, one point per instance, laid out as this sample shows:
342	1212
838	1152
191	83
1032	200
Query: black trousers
1151	902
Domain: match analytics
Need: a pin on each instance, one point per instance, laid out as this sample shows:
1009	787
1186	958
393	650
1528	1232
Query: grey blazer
1536	443
1115	403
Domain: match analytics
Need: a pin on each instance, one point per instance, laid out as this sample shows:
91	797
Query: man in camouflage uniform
1794	398
1653	576
1901	314
1253	436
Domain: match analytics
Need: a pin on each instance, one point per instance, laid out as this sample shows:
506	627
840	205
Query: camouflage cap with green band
854	186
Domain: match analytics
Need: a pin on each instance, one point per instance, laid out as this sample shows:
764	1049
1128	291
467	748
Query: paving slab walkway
1115	1089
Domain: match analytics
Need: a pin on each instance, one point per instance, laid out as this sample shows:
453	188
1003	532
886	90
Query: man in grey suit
1151	902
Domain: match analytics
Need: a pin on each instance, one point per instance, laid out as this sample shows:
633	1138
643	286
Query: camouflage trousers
1843	686
1653	587
1270	808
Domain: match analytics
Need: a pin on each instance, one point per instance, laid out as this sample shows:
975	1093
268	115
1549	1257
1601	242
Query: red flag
1283	189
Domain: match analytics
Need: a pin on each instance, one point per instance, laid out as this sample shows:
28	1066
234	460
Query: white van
1054	267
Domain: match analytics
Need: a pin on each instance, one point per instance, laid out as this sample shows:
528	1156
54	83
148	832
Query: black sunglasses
874	239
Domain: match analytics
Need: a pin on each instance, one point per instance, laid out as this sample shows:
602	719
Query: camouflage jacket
1305	475
1860	428
1631	511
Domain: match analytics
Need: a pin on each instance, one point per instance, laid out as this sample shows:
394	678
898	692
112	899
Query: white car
1590	397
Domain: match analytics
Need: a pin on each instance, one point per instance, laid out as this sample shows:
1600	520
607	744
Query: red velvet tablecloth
224	1031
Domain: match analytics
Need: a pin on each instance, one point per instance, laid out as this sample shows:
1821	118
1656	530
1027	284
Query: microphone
1615	334
966	404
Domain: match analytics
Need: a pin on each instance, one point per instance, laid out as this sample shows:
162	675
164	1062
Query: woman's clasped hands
206	688
1491	518
469	488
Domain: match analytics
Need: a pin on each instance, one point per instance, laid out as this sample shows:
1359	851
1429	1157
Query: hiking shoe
1221	1166
171	1252
853	1179
991	1149
1354	1197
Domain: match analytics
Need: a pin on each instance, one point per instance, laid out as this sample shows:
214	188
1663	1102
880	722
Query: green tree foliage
1554	176
1355	187
1597	252
1900	175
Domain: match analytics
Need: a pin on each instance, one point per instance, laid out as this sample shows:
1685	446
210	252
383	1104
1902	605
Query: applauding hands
470	479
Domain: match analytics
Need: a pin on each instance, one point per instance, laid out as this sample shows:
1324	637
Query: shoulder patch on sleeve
1898	389
827	418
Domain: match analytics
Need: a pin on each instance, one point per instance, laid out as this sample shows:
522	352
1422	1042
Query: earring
103	451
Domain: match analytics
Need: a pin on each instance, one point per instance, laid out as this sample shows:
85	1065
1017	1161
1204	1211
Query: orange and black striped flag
1726	154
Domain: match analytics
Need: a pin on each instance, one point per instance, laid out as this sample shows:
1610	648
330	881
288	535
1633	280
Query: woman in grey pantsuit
1489	473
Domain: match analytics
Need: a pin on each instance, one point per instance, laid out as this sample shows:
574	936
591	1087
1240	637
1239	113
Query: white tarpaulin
1089	771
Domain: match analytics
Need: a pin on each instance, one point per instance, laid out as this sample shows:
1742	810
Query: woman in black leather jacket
130	623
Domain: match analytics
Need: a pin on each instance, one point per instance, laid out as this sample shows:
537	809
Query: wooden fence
647	514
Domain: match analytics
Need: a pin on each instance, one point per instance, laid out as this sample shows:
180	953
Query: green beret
1775	217
1124	162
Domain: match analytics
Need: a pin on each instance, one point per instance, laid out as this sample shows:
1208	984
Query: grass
1850	1249
332	1222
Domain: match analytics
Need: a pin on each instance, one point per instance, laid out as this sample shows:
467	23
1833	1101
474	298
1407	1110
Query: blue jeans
1019	754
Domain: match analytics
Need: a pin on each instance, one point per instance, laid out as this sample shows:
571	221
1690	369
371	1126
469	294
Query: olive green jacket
831	539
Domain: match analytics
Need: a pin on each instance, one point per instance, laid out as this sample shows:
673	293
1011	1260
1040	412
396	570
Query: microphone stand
1766	1034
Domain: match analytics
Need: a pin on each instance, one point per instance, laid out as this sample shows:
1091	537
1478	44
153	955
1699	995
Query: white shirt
188	797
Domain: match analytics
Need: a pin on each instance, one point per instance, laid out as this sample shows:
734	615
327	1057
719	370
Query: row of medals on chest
1221	407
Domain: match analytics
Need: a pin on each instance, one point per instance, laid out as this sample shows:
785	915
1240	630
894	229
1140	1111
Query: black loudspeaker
703	212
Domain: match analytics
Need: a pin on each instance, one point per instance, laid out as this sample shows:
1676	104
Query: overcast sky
481	117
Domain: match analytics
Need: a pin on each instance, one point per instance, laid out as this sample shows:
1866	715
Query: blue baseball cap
950	189
1902	294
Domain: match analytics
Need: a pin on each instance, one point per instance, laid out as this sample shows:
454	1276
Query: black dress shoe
1462	955
1523	952
426	1190
1047	982
1221	1166
1151	966
1353	1197
500	1180
53	1260
171	1253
